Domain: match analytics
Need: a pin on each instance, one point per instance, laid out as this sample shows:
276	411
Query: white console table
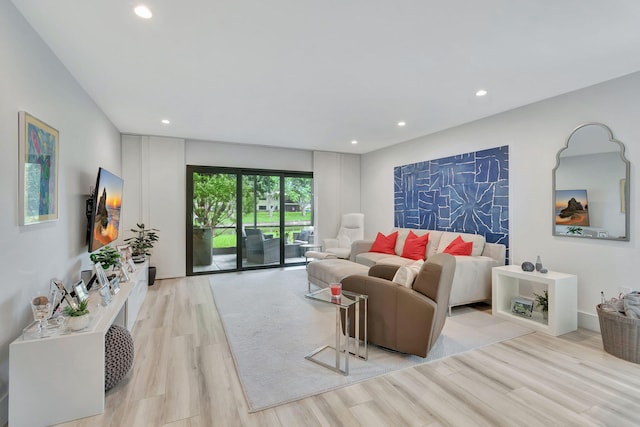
563	298
61	378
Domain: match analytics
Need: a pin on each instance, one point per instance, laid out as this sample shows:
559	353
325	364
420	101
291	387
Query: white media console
61	378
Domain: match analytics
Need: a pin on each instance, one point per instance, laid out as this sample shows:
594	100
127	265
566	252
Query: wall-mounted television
572	207
103	210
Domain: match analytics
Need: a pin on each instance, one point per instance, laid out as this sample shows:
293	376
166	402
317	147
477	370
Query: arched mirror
591	186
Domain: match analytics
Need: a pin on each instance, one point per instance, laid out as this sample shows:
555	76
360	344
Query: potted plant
141	246
78	317
542	301
572	229
107	256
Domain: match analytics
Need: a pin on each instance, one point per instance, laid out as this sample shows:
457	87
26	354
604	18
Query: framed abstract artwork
38	170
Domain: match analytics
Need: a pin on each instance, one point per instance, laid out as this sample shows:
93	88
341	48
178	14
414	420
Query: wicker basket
620	335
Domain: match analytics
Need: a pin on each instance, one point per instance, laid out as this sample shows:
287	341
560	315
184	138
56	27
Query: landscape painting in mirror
572	207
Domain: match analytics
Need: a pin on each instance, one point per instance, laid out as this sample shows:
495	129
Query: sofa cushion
370	258
459	247
415	247
406	274
385	244
448	237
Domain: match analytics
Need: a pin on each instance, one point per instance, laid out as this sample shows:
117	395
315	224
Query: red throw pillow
459	247
385	244
415	246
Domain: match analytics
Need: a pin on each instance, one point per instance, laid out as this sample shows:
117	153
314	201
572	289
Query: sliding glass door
213	226
243	219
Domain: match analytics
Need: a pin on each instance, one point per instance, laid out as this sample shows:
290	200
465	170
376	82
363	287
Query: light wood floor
184	376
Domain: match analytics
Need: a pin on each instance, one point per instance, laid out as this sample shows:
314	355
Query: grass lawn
226	238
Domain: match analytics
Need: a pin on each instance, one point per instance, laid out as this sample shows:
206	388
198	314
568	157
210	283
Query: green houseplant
142	244
107	256
572	229
78	317
542	301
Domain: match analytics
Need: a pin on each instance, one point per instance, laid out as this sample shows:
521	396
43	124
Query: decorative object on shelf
522	306
105	293
114	284
544	270
538	263
79	316
118	357
38	174
80	290
574	230
142	244
41	309
101	275
542	301
527	266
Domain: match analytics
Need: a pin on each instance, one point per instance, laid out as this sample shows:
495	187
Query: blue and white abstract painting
466	193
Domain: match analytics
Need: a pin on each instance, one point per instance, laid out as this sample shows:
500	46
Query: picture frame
37	170
105	293
131	265
101	275
114	285
124	275
125	252
64	294
522	306
82	294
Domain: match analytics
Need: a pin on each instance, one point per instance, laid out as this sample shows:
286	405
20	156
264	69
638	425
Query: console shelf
61	378
563	298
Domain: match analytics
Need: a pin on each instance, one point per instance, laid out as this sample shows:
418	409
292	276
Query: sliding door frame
240	173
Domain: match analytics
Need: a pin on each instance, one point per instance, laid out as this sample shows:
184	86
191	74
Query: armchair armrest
383	271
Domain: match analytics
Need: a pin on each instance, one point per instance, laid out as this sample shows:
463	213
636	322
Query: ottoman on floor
118	355
326	271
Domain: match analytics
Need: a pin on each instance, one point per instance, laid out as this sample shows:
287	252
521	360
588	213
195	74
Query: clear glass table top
345	300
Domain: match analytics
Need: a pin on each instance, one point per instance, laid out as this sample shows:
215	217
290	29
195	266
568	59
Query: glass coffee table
343	302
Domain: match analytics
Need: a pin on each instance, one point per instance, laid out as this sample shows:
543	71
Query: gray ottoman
118	355
326	271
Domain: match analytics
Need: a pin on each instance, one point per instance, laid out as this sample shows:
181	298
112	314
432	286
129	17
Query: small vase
545	315
538	263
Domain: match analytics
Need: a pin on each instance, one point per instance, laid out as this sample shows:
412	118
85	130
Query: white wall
154	173
32	79
208	153
336	190
534	134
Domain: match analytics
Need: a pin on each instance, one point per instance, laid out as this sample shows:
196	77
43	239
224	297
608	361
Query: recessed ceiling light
143	12
402	123
354	142
481	92
165	121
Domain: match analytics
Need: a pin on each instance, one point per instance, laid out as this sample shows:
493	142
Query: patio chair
261	250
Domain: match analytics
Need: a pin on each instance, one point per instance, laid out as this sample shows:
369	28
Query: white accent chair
351	229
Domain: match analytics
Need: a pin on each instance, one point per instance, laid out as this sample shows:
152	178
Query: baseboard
4	409
588	321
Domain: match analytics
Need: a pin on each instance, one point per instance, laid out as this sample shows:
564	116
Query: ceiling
319	74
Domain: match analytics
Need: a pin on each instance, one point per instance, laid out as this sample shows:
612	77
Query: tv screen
104	221
572	207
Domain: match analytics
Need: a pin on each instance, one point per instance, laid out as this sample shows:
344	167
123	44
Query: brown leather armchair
403	319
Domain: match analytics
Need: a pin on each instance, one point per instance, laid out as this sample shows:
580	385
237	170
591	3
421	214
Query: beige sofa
472	278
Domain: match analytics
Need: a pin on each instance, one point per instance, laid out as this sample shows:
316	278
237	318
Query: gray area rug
271	326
